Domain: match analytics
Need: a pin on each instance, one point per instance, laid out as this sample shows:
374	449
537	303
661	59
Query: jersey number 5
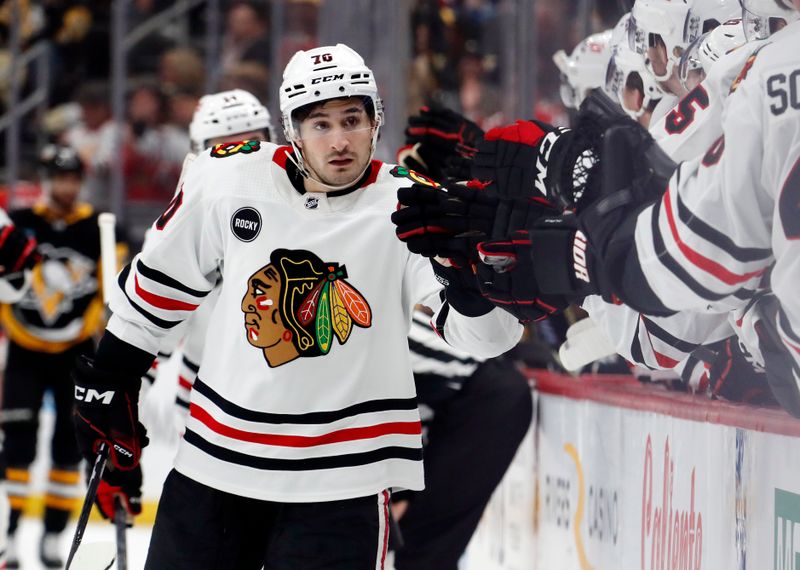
682	116
172	208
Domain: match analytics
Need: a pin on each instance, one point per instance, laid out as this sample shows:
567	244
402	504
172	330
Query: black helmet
58	158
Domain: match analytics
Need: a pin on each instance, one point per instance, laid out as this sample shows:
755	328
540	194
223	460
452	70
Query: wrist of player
563	262
107	411
461	289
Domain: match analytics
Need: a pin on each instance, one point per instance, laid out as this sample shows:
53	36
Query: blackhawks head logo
297	304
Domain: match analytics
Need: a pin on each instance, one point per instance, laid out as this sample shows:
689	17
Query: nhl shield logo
246	224
312	203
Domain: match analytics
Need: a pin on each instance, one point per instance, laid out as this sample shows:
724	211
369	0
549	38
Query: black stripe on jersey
670	263
786	326
389	404
181	402
441	319
440	355
123	277
191	365
654	330
636	348
166	280
714	236
308	464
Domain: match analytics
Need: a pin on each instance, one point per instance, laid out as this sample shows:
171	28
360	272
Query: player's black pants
200	528
471	441
28	375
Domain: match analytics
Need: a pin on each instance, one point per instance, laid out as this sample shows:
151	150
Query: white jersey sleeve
176	269
732	214
485	336
14	288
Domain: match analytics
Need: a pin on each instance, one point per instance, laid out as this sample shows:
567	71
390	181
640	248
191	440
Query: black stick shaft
91	492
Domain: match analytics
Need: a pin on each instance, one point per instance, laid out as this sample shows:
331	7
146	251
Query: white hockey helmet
677	23
762	18
584	69
706	50
628	67
320	74
228	113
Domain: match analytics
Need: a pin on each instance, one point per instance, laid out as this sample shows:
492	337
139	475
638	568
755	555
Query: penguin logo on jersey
297	304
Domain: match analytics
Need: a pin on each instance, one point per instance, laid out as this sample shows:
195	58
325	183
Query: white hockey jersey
729	216
12	289
305	391
685	132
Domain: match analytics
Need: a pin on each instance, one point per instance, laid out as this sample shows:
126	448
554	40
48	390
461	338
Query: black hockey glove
125	485
733	376
17	251
107	410
445	222
461	289
506	278
442	142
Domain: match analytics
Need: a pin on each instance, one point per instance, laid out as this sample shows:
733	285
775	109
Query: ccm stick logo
91	395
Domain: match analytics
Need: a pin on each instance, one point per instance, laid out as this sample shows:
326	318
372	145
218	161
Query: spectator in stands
181	69
250	76
246	35
94	100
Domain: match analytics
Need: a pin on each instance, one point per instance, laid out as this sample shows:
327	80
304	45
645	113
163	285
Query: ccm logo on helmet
92	395
123	451
327	78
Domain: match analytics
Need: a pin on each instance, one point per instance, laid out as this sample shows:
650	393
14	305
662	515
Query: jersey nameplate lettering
246	224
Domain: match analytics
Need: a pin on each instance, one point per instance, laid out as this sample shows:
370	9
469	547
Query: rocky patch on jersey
297	304
246	223
403	172
224	150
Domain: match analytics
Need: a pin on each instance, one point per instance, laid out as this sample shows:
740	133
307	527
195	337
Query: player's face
64	189
262	320
336	141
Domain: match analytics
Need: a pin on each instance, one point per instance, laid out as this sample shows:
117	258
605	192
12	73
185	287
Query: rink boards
617	475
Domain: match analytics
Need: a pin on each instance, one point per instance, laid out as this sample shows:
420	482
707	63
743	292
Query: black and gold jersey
63	306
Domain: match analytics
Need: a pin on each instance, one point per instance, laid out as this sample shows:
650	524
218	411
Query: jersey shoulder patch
224	150
403	172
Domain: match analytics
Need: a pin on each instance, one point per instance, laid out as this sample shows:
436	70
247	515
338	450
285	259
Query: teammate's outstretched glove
444	221
107	410
506	278
17	250
440	142
515	159
127	485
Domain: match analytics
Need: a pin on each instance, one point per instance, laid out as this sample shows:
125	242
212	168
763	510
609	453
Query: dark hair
301	113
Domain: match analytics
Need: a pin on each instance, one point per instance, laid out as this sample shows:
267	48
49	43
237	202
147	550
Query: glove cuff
558	239
461	290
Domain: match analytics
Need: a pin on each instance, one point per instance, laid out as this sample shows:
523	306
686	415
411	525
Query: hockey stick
585	343
121	524
108	252
91	493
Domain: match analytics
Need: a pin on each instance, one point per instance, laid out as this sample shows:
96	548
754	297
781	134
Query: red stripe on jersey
339	436
184	383
699	260
162	302
281	156
385	538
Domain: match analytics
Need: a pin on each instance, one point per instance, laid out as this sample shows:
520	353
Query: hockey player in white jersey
724	232
234	115
303	414
627	78
584	69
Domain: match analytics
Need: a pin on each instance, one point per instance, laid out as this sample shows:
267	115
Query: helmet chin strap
297	160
